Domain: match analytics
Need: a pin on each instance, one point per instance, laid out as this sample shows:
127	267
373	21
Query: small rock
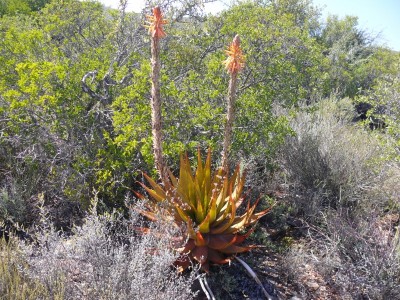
313	285
322	289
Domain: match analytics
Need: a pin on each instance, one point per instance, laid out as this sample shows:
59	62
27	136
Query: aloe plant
208	205
203	203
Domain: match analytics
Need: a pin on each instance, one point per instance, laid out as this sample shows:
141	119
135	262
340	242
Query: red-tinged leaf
149	215
221	241
237	191
186	168
189	246
207	173
254	205
225	224
153	194
232	203
200	169
240	238
173	179
220	218
217	257
206	267
235	175
190	229
212	212
140	196
199	213
221	204
200	201
255	217
185	187
200	240
237	224
222	227
158	189
233	249
239	202
182	263
223	213
222	198
200	253
218	179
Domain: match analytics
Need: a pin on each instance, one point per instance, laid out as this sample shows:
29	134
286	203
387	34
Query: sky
376	16
379	17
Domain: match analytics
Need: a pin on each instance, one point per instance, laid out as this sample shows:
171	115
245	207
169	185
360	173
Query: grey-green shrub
104	259
345	187
337	163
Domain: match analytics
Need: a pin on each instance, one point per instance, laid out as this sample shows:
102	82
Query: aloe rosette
208	205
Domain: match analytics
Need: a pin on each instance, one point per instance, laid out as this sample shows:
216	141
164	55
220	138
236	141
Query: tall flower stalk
233	64
155	26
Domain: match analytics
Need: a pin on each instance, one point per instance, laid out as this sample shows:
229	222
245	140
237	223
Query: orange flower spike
235	61
156	23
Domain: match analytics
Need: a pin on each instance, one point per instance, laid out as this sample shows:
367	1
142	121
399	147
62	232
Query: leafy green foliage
14	7
348	50
52	128
384	95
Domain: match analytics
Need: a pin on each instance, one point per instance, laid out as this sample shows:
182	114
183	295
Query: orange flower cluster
155	23
235	61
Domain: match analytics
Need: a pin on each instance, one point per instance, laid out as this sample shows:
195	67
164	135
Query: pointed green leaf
158	189
204	227
182	214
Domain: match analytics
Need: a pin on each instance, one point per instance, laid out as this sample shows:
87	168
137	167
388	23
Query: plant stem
156	109
229	119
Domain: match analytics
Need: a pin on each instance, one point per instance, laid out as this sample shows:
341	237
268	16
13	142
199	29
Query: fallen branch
255	277
206	289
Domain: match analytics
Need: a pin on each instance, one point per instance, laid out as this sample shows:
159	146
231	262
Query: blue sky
376	16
